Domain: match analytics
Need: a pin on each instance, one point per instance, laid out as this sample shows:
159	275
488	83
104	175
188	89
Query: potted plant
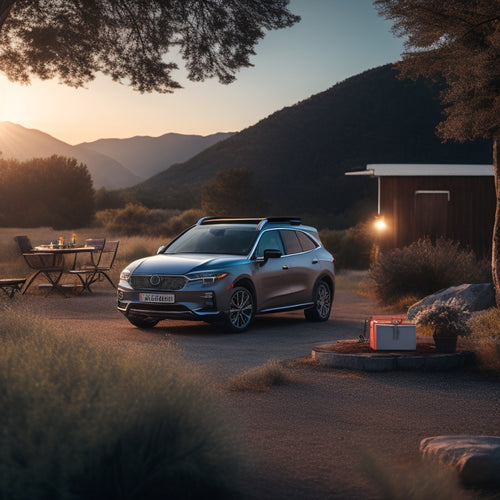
448	319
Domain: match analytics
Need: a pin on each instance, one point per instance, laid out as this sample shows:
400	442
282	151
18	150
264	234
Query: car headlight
208	277
125	274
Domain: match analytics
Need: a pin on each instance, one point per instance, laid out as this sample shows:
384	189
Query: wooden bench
12	285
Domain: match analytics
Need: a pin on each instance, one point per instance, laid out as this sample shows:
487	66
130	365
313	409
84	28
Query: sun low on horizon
333	41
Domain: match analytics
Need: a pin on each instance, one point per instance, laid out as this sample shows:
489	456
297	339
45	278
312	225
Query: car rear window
306	242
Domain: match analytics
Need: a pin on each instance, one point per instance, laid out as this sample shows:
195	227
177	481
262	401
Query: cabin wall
458	208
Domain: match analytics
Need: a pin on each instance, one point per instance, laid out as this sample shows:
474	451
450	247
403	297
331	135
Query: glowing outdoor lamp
380	225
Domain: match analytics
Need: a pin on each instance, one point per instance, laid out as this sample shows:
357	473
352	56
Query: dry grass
421	482
81	421
262	378
485	339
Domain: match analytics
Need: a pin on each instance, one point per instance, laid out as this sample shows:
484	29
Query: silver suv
225	270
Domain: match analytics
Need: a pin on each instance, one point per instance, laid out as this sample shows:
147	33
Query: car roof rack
296	221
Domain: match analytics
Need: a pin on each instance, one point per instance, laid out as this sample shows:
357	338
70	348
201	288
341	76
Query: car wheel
322	298
142	321
241	310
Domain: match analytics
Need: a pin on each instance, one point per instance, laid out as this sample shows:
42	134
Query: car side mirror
271	253
161	249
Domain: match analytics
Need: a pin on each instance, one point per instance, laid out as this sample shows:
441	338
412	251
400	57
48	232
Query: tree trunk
495	249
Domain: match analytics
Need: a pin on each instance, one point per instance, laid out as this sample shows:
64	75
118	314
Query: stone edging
382	363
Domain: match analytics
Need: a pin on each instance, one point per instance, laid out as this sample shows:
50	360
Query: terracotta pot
445	344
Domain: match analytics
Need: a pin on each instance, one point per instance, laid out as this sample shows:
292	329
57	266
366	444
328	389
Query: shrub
84	422
350	247
484	340
136	219
423	268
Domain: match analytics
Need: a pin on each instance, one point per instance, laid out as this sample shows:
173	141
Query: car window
292	243
214	239
306	242
270	240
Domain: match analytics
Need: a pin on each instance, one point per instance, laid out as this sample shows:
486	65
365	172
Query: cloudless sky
334	40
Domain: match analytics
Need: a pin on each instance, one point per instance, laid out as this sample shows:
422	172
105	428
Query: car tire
142	321
241	310
322	298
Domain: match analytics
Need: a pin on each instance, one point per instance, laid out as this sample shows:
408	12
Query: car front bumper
205	303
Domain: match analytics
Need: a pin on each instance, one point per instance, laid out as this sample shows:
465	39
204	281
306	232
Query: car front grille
157	282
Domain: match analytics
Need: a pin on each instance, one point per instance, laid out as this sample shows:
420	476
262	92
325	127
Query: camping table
66	252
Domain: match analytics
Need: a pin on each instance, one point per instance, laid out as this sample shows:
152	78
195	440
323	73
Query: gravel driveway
305	440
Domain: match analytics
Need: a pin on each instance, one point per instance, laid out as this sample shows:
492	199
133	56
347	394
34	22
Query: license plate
157	298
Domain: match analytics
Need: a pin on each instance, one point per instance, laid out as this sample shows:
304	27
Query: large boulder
475	296
475	458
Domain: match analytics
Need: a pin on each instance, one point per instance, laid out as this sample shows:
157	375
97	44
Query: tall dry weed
84	422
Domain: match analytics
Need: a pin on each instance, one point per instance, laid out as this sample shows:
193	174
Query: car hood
176	264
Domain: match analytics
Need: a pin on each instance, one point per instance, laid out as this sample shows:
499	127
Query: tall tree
130	39
458	41
55	191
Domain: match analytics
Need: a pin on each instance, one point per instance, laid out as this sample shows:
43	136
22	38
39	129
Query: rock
475	458
476	297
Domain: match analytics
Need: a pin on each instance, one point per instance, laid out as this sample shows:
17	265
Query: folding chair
12	285
47	264
100	267
24	244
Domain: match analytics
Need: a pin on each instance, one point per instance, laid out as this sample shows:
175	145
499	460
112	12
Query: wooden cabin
418	200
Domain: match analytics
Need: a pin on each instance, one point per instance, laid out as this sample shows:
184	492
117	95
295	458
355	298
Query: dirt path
305	440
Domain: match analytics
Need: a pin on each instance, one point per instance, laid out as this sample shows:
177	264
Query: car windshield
220	239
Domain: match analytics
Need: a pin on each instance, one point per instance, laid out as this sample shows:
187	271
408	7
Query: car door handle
285	267
315	261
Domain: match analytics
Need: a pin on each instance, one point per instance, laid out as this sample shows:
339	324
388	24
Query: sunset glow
334	40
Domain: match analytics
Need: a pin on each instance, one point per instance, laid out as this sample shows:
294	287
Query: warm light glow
380	225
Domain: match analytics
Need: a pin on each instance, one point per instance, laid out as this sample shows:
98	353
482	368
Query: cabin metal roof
424	170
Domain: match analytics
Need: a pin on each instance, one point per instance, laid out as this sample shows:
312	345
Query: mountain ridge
112	163
299	154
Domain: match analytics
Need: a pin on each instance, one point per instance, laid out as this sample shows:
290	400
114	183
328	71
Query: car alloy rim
241	308
323	300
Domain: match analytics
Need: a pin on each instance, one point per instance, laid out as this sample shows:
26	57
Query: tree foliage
129	40
232	193
459	41
55	191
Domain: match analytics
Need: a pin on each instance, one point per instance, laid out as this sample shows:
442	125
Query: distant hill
23	144
299	155
147	156
112	163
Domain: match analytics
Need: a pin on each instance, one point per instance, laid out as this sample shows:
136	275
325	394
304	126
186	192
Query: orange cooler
392	333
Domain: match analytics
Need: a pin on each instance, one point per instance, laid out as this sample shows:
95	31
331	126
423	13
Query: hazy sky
335	39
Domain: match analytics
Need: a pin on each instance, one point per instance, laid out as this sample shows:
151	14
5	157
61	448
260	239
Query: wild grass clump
418	482
423	268
262	378
81	422
484	340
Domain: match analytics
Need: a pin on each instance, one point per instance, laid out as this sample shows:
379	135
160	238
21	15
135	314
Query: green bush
136	219
350	247
423	268
82	422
